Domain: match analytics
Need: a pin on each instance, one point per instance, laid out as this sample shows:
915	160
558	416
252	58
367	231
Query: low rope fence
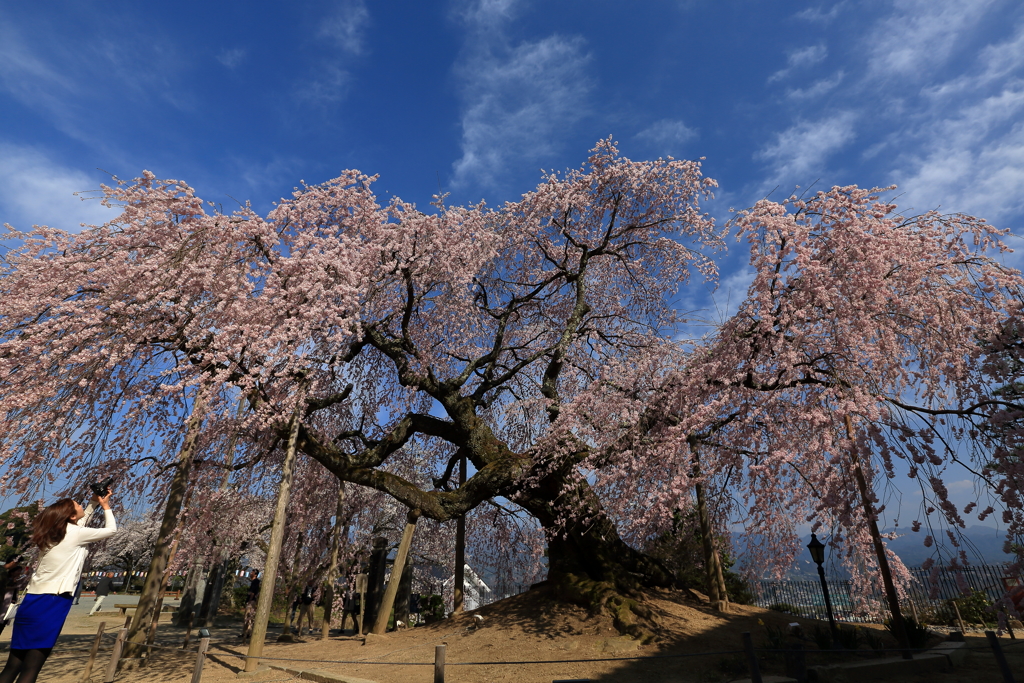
795	657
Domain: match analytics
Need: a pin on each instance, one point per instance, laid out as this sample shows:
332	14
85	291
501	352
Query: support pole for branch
460	549
381	624
899	627
332	568
259	629
152	591
717	593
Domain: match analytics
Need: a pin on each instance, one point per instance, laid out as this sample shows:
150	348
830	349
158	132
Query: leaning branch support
259	629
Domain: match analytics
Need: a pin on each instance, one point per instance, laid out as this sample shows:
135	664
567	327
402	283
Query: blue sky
243	100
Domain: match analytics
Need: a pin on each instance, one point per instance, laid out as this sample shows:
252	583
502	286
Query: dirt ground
526	628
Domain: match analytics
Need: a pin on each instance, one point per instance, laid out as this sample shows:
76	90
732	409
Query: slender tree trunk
381	624
150	597
332	567
883	561
460	549
266	599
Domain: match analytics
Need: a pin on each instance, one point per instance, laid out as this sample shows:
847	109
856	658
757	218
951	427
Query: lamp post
817	549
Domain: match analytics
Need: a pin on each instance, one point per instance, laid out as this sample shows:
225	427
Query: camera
101	488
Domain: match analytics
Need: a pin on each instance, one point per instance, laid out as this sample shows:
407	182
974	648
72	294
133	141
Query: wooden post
115	655
92	652
460	550
361	581
997	650
381	623
748	647
959	619
439	663
899	628
197	672
332	567
717	594
913	609
259	628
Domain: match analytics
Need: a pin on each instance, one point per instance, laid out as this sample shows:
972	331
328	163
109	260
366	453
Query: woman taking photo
60	533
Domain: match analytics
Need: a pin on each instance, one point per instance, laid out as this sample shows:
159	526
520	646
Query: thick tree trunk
717	593
151	592
187	606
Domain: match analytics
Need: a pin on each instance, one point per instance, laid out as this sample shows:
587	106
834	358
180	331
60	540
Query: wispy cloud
326	87
799	59
801	150
818	88
346	25
231	58
667	136
35	190
920	36
517	99
819	15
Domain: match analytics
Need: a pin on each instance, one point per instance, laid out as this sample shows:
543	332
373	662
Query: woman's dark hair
50	525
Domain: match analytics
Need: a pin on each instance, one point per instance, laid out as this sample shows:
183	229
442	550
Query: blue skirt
39	620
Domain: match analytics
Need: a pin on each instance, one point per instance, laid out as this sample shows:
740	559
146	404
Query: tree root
629	616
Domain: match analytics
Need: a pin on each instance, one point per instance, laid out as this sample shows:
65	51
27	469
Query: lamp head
817	549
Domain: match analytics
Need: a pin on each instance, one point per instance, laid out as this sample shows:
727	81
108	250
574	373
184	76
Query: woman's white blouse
61	566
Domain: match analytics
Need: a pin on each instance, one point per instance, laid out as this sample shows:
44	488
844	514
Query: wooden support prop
267	587
460	550
959	619
197	673
997	650
381	624
87	674
748	647
898	627
439	663
361	581
115	655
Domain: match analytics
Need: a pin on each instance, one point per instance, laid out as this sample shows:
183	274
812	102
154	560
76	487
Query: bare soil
529	638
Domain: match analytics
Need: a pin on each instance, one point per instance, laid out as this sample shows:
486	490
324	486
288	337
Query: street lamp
817	549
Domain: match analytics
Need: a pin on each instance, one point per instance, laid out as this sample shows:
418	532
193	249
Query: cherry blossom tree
537	339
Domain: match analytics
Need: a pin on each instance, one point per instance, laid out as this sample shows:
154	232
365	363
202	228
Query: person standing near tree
60	534
250	608
102	591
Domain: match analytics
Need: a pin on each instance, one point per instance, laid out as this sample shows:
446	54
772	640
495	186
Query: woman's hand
103	502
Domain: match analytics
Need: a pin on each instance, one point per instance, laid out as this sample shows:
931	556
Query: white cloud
34	190
346	25
819	15
971	161
802	149
920	36
325	88
799	59
517	100
667	136
816	89
231	58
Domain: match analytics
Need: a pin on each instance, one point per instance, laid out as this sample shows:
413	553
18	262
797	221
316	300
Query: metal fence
930	593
